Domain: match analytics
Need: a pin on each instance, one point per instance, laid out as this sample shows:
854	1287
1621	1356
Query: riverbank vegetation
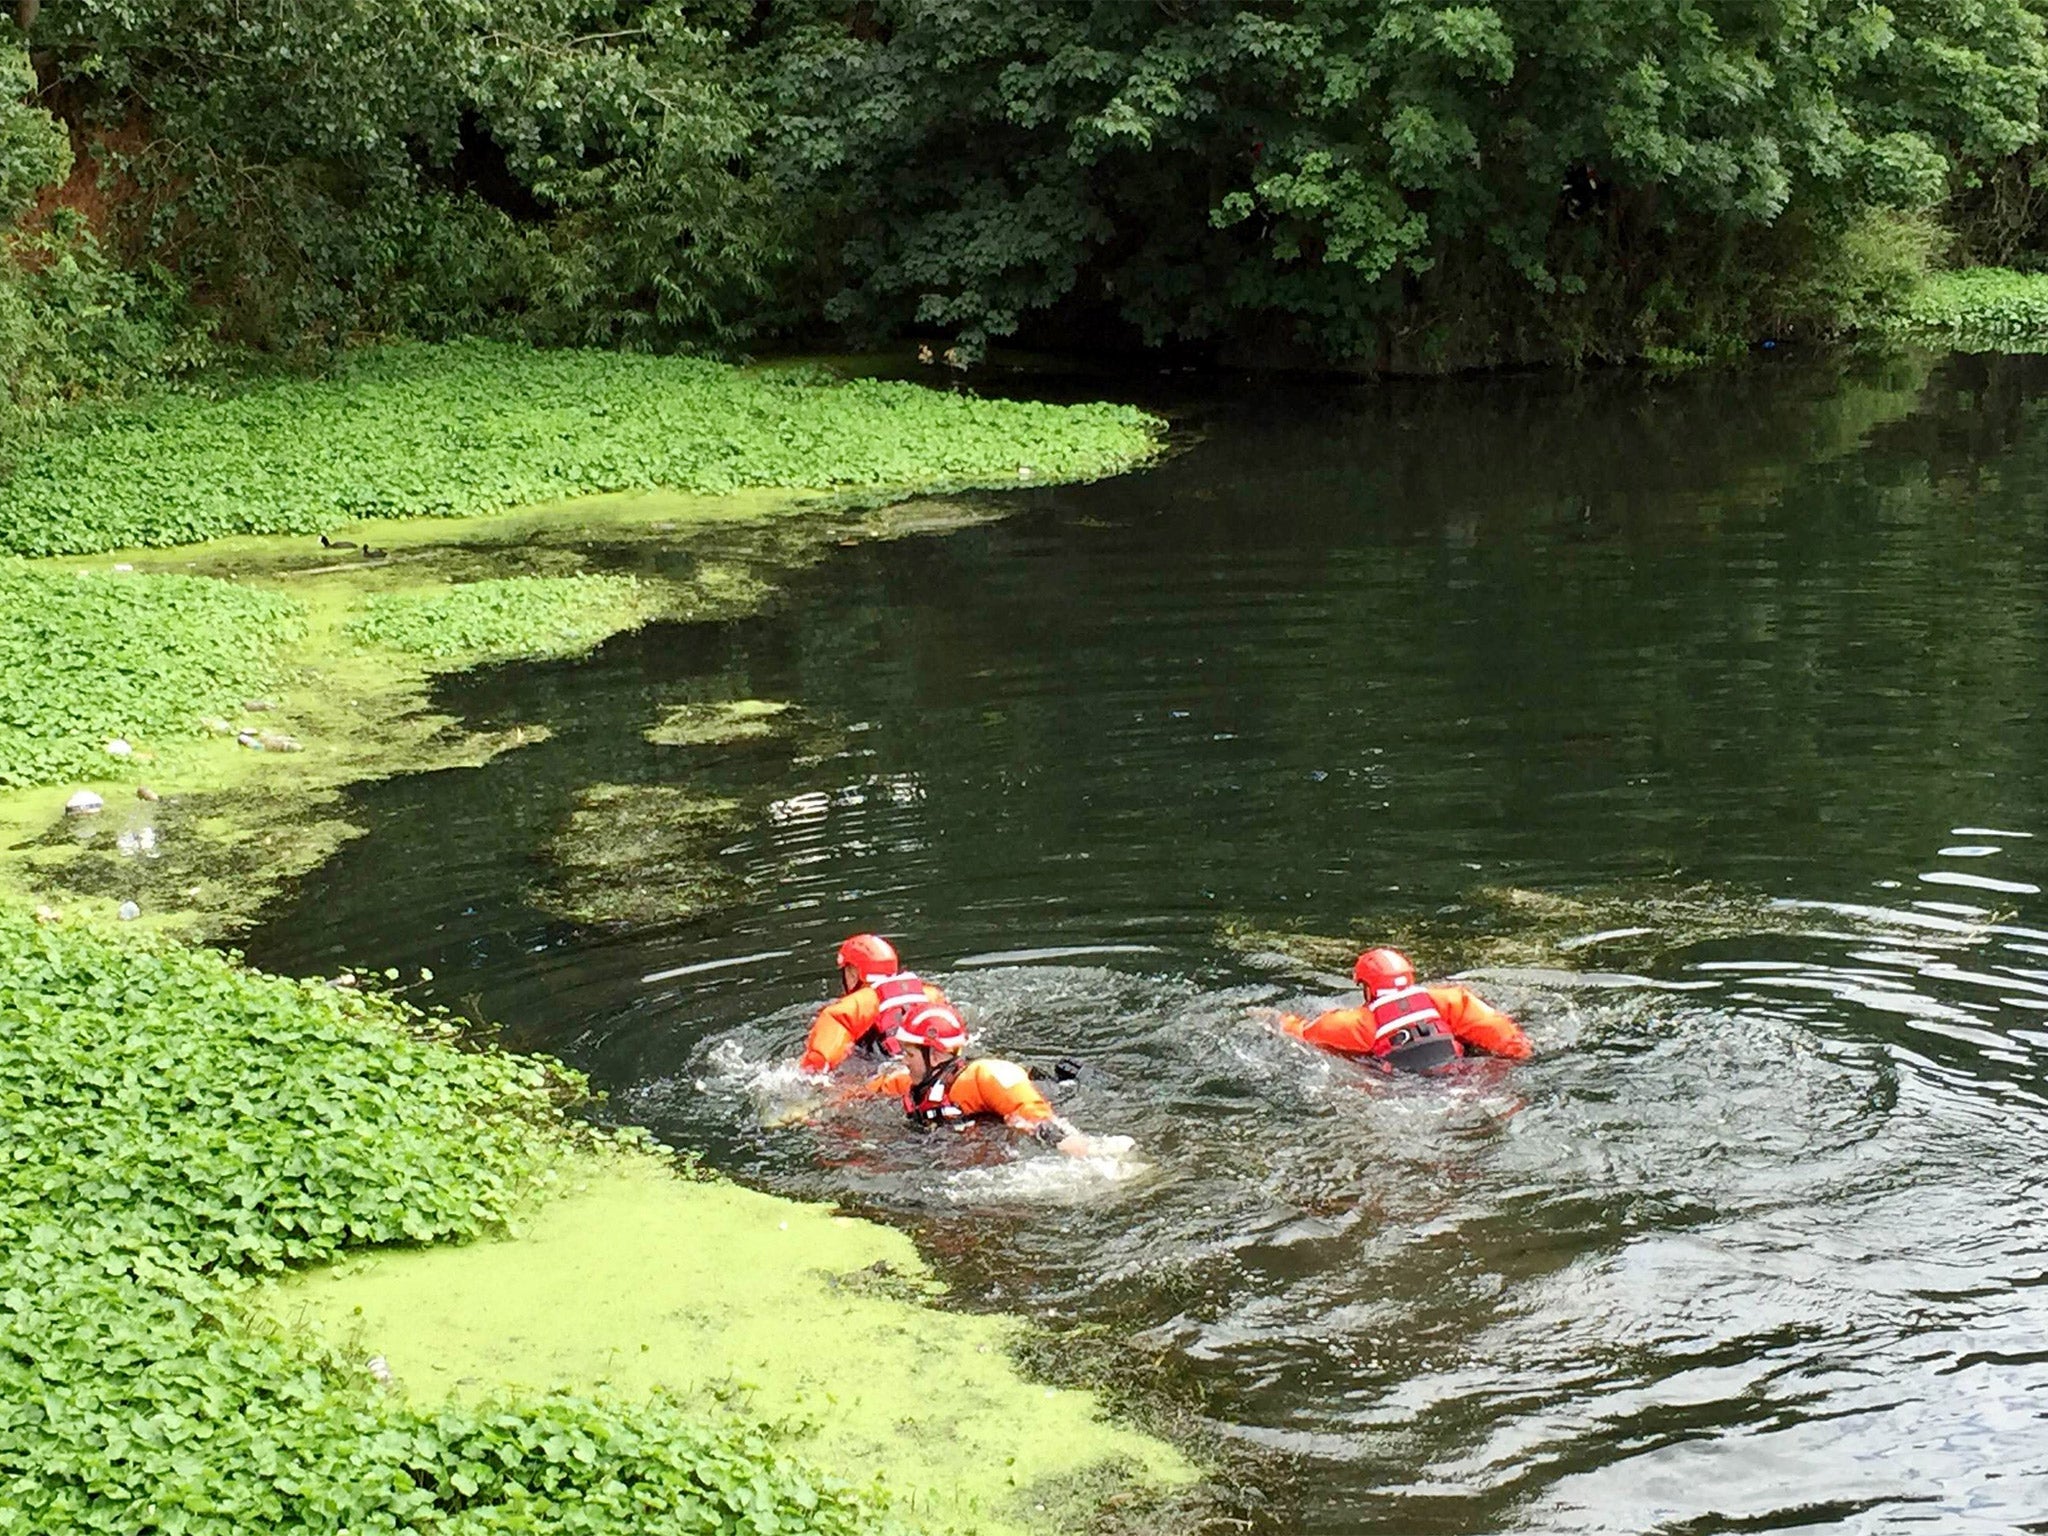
502	616
182	1126
92	660
427	431
1986	307
185	1127
1380	185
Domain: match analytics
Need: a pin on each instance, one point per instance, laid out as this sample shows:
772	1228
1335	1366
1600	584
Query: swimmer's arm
893	1083
833	1032
1478	1027
1346	1031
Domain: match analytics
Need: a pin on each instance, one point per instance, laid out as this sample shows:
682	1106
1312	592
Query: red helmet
935	1026
870	954
1382	970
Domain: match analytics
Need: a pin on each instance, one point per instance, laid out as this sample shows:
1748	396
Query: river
1699	722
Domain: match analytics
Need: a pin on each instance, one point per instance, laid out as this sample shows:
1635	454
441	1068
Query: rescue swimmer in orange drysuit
940	1086
887	1010
1405	1027
878	995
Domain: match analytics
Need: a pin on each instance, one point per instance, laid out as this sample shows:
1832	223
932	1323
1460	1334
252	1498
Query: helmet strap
944	1072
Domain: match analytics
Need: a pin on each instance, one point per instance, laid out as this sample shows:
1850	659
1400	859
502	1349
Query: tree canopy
1366	177
1383	182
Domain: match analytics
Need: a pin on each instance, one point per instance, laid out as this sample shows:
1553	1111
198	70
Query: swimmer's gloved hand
1063	1135
1065	1070
1068	1139
1072	1141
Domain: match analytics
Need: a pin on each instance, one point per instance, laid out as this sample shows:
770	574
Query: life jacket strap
930	1099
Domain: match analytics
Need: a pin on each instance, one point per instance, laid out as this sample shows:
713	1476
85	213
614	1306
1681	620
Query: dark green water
1703	720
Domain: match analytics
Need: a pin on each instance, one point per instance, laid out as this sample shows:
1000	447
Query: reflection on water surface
1702	719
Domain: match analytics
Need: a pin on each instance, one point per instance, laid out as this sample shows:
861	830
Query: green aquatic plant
217	1118
452	431
641	853
707	724
177	1123
87	658
1983	305
501	616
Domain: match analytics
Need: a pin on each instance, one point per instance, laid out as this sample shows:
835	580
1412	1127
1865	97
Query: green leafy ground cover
501	616
145	657
86	658
1985	306
452	431
178	1124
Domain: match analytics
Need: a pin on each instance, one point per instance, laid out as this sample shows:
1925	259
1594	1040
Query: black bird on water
327	543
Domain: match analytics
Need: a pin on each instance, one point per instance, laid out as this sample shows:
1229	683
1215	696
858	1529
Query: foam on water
1043	1177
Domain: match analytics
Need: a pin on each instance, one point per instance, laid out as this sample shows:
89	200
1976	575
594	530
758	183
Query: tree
576	170
1384	180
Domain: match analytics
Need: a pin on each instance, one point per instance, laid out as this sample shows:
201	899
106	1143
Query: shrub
72	323
75	326
1983	304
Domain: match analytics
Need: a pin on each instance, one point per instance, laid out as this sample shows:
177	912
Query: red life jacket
1407	1031
896	997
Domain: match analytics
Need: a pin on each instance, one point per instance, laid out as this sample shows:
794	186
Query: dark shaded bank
1355	182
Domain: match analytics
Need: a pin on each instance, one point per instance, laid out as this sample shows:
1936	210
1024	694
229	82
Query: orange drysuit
1476	1027
845	1023
983	1089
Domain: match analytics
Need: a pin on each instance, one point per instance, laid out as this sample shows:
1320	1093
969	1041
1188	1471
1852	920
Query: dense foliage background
1393	183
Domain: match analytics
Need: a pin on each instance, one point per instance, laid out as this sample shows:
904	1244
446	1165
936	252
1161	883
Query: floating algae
633	853
696	725
1497	927
538	581
1517	926
634	1281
